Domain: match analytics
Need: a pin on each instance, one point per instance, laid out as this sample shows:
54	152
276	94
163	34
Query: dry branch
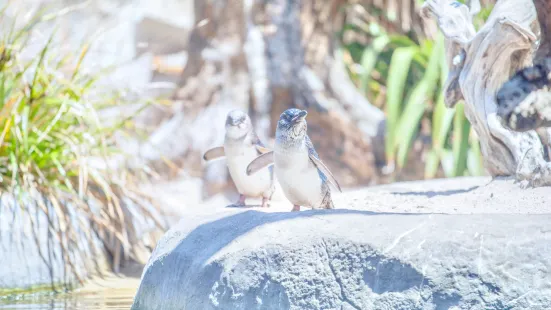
480	62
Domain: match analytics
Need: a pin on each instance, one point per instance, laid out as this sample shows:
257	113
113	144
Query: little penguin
241	146
303	177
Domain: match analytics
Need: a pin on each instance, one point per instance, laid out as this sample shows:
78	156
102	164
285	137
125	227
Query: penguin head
292	123
238	124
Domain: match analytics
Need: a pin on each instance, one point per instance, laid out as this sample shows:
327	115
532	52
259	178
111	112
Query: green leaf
402	41
461	131
81	57
25	128
2	90
444	70
409	122
399	68
474	157
442	119
39	65
431	165
415	107
369	59
14	168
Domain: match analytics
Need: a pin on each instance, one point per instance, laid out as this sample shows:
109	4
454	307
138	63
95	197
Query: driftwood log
480	62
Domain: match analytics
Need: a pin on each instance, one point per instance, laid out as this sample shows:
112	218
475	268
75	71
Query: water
117	299
113	293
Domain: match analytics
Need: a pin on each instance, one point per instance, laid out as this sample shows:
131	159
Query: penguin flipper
261	162
214	153
321	167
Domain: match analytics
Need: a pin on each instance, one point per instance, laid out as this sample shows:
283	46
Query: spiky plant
403	73
51	139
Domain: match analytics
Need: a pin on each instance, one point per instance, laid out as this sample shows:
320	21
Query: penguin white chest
238	158
299	178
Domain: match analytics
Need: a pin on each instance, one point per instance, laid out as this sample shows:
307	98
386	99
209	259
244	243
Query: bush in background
53	151
403	74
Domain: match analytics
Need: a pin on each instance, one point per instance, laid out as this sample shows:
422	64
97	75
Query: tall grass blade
474	157
398	73
25	129
38	67
2	89
415	107
442	119
369	59
460	146
409	122
49	132
81	57
431	164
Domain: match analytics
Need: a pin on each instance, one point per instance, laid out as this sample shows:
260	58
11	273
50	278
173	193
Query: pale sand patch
465	195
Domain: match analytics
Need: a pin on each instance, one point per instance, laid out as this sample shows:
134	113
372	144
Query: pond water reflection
101	300
108	293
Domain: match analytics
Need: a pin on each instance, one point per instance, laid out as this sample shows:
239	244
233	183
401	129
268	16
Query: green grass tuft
404	75
50	132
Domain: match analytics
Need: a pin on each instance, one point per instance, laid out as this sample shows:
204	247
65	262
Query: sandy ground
467	195
451	196
128	279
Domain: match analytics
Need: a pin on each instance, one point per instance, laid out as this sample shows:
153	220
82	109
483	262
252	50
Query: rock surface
354	258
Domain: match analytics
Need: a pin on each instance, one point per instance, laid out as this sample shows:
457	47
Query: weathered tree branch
456	24
480	62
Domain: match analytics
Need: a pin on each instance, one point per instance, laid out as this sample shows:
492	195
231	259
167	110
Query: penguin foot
295	208
240	203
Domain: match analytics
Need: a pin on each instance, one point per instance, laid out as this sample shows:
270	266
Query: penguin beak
300	116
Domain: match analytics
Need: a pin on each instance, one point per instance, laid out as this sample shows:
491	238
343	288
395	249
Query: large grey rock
226	258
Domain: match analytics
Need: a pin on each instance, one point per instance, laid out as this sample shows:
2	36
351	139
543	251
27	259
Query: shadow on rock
431	194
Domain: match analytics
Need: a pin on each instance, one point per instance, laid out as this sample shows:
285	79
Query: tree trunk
265	57
480	62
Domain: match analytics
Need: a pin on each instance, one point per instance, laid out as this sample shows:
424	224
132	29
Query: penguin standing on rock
301	174
241	146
